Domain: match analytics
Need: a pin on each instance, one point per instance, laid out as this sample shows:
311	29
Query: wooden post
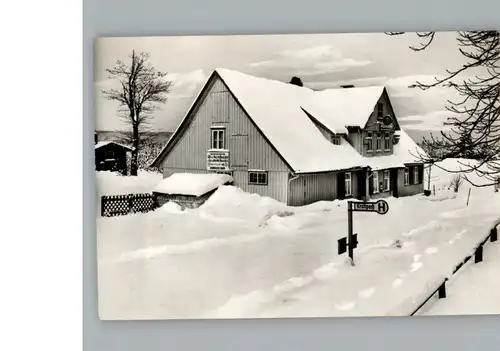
478	255
349	231
494	234
442	291
103	201
130	203
468	196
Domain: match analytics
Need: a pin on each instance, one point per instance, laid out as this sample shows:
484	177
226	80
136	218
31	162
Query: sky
320	60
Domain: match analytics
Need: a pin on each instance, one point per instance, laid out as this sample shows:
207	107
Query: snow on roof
275	107
337	109
191	184
103	143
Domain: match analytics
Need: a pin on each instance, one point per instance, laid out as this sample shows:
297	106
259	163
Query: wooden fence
119	205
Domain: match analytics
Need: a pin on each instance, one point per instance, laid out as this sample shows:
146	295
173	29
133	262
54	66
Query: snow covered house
295	144
111	156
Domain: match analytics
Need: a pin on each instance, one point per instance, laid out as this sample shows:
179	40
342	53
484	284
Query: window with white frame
218	138
348	184
407	176
379	141
369	141
415	175
375	182
257	177
387	179
387	142
336	140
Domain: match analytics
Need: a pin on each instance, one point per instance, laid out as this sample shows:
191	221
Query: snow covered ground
245	256
475	290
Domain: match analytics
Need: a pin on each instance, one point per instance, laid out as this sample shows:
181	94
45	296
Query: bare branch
474	124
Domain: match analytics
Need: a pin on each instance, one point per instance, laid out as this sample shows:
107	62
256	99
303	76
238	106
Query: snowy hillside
241	255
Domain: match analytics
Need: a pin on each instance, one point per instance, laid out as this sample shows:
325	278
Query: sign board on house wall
218	160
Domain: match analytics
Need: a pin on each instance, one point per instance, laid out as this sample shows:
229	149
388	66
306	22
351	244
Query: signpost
350	242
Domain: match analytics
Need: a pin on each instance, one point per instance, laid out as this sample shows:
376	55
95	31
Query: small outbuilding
111	156
189	190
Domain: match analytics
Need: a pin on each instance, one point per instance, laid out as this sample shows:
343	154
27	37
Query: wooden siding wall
411	189
311	188
276	188
248	149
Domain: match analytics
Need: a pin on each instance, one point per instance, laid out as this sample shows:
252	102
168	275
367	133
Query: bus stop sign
380	206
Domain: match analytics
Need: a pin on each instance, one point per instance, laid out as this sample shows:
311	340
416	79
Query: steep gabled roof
280	112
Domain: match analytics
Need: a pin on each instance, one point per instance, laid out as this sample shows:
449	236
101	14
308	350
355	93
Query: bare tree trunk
135	150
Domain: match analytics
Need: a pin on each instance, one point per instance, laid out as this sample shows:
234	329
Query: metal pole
349	229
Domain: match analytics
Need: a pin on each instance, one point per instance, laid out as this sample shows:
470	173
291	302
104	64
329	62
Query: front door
361	185
394	182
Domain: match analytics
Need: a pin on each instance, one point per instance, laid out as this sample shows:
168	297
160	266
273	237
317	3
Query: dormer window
336	140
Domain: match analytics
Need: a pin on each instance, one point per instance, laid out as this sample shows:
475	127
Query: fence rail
119	205
440	291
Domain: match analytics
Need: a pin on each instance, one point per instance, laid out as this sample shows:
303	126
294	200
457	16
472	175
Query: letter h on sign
381	207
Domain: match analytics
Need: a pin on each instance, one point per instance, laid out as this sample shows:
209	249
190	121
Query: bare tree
475	125
143	88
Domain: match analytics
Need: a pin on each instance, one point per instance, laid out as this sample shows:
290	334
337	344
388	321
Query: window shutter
410	175
341	185
420	174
